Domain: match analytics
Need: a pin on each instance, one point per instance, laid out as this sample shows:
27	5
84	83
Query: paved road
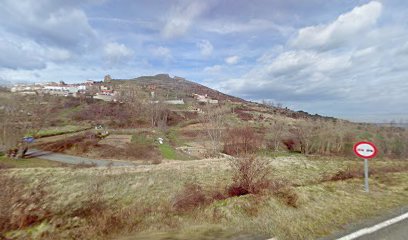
393	225
77	160
396	231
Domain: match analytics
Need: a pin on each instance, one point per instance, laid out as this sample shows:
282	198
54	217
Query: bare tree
133	97
275	134
268	103
214	125
159	113
305	132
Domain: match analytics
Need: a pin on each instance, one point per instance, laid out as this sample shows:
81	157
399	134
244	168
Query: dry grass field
320	196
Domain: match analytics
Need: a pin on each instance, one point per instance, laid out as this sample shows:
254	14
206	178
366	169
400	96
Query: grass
167	151
274	154
142	139
53	131
173	136
28	163
143	195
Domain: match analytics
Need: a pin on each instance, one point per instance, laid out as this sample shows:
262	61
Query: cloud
253	25
22	53
162	52
117	52
358	74
346	27
55	23
232	60
181	17
213	69
206	48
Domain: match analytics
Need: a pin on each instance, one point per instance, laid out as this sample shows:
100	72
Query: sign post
365	150
366	175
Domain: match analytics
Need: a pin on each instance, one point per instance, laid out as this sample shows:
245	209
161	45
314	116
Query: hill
181	88
177	87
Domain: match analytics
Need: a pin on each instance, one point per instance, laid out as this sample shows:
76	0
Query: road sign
365	150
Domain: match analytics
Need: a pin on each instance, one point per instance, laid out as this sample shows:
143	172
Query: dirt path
69	159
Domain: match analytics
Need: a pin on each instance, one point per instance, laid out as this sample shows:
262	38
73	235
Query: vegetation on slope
156	202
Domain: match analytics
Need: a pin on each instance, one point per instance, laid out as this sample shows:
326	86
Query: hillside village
104	90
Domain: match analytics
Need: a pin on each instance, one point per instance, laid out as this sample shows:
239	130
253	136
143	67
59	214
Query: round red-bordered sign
365	150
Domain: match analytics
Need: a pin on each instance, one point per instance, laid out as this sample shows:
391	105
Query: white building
175	102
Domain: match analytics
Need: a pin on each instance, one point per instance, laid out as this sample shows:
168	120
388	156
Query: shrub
343	175
358	173
249	175
290	144
288	196
239	141
190	197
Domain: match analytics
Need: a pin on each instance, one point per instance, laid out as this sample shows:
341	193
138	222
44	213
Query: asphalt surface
392	225
396	231
69	159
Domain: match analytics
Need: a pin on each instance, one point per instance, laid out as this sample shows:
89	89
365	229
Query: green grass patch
28	163
58	131
174	137
167	151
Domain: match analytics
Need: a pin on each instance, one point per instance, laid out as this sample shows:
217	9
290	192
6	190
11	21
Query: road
396	231
69	159
394	227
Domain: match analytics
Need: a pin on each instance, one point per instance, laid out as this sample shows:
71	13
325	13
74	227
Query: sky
340	58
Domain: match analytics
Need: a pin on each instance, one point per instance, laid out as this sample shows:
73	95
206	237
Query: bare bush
238	141
343	175
290	144
349	173
288	196
250	175
190	197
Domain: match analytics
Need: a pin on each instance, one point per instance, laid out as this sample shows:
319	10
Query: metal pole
366	175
